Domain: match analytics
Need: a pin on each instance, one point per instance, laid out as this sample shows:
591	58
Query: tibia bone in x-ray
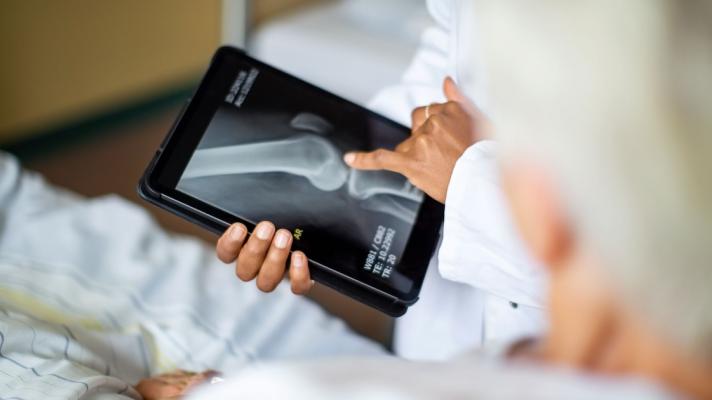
314	158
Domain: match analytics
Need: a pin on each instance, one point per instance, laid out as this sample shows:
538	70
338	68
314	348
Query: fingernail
237	232
264	231
298	260
282	239
349	158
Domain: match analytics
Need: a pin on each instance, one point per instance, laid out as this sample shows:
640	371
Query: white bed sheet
95	296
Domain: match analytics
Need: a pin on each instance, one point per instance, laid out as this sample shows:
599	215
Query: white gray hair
616	98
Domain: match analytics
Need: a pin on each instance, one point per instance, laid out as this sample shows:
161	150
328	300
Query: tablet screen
272	150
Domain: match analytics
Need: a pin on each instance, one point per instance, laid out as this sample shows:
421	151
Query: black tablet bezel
178	147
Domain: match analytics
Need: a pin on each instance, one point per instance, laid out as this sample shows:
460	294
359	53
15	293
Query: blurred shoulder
390	378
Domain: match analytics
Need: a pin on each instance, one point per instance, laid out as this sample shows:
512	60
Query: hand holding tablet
256	144
264	256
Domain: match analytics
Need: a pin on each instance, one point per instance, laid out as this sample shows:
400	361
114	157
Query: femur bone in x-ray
313	158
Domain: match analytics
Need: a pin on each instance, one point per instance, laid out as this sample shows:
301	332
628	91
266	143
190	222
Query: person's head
604	113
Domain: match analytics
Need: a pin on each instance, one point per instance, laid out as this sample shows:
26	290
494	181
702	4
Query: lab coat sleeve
480	245
421	83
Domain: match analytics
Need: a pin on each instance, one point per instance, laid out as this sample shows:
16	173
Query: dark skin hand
440	134
263	257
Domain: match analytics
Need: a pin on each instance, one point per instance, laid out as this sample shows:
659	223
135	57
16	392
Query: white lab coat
481	285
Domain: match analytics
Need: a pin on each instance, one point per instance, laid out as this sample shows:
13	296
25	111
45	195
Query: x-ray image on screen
278	158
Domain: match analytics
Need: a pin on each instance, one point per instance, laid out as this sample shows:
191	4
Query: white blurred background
350	47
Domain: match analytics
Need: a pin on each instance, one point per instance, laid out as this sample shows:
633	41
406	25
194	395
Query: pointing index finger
377	160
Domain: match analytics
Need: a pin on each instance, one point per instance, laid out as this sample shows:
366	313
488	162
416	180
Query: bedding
94	296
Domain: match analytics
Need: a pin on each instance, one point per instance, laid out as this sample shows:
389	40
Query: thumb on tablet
377	160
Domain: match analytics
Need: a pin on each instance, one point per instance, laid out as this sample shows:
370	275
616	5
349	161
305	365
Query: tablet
255	143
